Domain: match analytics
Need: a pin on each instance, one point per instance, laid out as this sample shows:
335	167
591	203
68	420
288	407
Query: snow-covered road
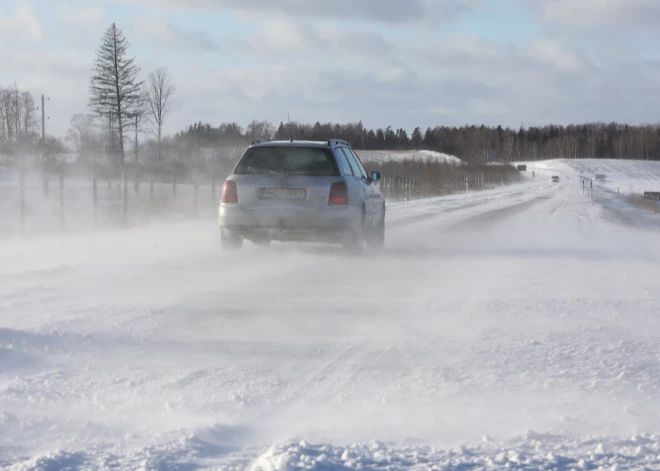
517	327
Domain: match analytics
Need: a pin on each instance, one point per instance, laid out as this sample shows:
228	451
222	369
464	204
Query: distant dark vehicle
522	168
600	176
652	195
555	179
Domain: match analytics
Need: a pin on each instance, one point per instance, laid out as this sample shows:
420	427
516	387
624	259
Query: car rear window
317	161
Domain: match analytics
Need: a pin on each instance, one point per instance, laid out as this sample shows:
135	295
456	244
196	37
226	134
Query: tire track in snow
406	221
496	216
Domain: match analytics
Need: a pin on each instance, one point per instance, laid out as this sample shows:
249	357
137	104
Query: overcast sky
403	63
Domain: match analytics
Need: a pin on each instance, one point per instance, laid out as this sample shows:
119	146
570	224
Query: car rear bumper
334	224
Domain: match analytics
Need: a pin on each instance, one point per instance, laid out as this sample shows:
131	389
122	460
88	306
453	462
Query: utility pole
43	120
43	145
136	152
195	151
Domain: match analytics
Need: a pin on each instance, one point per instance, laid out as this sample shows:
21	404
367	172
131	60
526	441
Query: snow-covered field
514	328
387	155
618	176
614	183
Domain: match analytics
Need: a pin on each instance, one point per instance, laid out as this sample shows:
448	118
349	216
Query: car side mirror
375	176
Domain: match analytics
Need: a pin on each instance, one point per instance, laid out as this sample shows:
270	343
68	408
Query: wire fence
33	203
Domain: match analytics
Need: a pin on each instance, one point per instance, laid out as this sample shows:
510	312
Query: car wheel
377	240
230	242
356	243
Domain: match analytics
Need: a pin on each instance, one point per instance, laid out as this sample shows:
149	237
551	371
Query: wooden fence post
213	202
45	183
62	222
125	197
95	199
22	209
174	185
137	179
195	191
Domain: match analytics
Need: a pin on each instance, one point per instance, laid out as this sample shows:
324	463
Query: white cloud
287	36
361	42
165	34
382	11
599	13
21	22
90	16
556	54
463	79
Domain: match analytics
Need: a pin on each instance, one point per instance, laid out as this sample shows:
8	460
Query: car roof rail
332	142
259	140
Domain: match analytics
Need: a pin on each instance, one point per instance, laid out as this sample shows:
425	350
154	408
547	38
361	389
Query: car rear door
367	191
376	198
355	188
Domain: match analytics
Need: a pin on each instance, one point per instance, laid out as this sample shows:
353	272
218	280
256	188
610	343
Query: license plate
283	193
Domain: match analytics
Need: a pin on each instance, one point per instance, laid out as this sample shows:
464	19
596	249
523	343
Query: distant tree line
591	140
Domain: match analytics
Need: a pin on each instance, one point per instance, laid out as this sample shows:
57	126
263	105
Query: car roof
288	143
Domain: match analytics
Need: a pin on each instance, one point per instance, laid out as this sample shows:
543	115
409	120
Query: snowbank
387	155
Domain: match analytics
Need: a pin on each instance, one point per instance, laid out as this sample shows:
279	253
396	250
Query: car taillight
229	192
338	193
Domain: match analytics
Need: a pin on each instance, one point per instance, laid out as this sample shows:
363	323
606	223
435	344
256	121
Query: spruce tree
114	87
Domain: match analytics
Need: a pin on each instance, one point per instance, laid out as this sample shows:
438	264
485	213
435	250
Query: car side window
343	163
363	170
357	171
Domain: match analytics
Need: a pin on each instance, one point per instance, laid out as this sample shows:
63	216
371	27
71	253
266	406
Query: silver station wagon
303	191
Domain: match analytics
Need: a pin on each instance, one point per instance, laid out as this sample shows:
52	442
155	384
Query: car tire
377	240
355	244
229	242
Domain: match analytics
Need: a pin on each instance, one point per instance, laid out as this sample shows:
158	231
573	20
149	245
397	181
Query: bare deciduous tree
17	115
83	135
158	90
114	88
29	116
4	118
260	129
